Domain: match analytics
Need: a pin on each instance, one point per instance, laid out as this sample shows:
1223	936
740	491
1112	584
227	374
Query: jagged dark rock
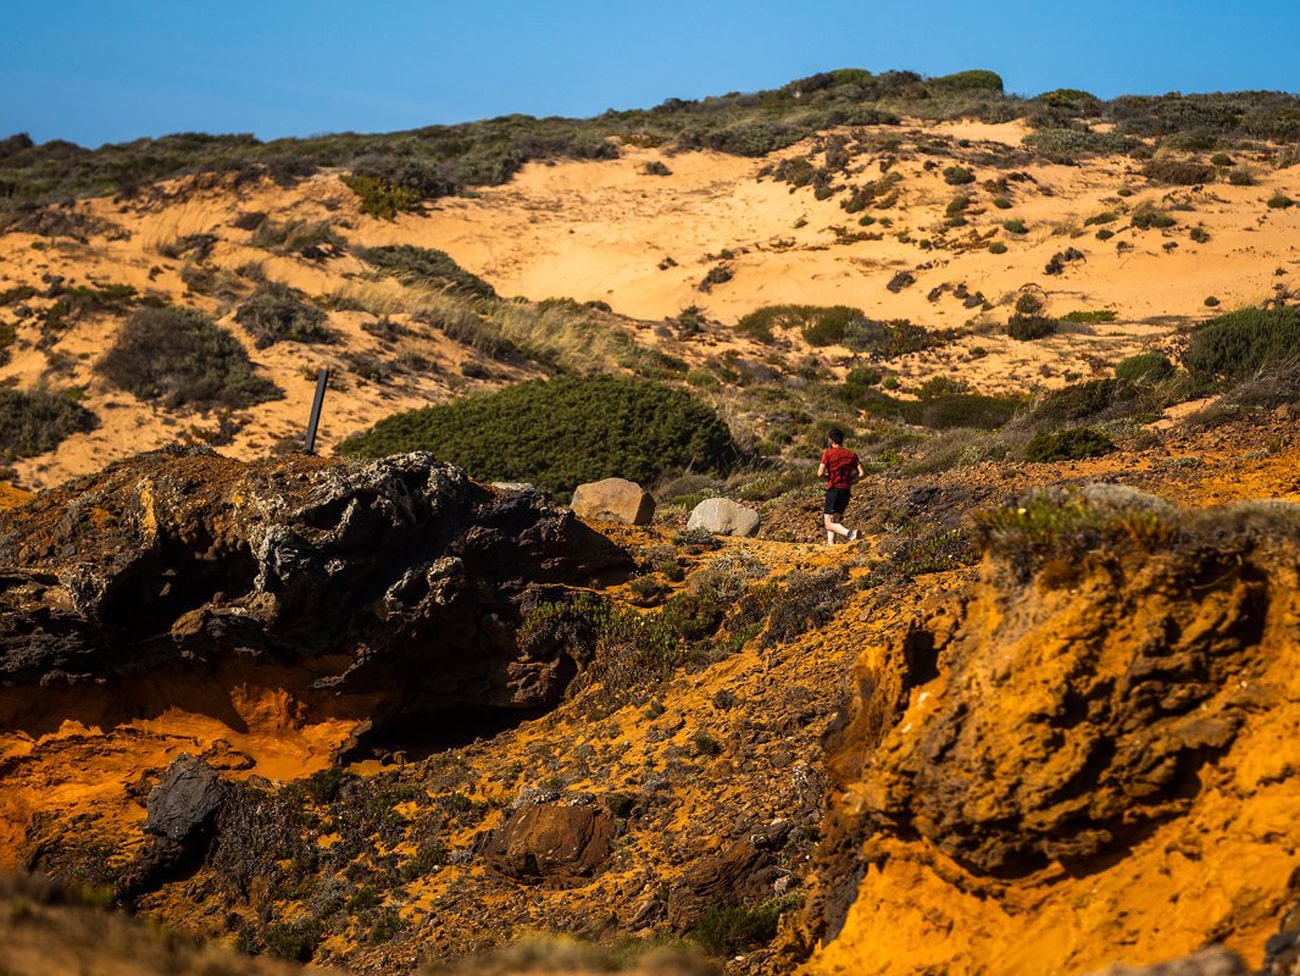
398	579
184	803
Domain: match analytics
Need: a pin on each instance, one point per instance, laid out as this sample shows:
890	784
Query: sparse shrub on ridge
277	313
1179	172
181	357
1071	444
427	266
560	433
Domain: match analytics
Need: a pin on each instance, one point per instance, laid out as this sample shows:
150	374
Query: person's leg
836	501
833	528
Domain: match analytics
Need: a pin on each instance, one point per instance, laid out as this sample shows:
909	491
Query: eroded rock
552	840
722	516
614	500
398	579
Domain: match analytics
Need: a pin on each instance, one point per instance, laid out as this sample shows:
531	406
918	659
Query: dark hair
835	436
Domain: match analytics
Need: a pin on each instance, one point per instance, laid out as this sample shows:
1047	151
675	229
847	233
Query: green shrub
1145	367
1147	215
181	357
1105	217
726	930
381	197
1071	444
1026	328
561	433
997	247
1238	344
1222	159
1095	399
1199	234
1241	177
958	204
1280	201
427	266
1086	317
957	175
1015	226
37	421
822	325
1068	146
276	313
1211	302
656	167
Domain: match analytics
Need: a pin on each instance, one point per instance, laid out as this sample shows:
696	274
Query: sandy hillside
613	232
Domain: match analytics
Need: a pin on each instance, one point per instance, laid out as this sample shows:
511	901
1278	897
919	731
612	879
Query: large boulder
613	500
556	839
185	801
399	582
722	516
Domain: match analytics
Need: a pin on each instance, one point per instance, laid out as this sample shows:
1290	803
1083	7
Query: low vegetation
33	422
428	267
1237	345
393	173
180	357
560	433
821	325
277	313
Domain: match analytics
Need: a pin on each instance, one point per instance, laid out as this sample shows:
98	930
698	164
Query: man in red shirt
841	468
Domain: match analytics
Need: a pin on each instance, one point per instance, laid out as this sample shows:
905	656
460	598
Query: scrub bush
557	434
181	357
37	421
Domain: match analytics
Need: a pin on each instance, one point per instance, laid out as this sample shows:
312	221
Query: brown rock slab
613	500
556	840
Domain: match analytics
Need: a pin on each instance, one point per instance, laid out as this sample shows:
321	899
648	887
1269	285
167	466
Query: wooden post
322	381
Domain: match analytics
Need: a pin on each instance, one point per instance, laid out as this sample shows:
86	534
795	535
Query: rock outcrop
1112	702
722	516
397	582
614	500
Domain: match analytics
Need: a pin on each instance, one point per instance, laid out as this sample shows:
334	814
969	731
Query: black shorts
837	500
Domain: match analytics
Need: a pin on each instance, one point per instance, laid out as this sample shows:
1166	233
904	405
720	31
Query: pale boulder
722	516
613	500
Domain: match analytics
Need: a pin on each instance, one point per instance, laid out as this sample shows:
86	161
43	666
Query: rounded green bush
560	433
1145	367
1070	444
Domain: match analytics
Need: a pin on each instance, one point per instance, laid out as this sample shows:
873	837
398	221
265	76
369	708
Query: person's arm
821	470
861	474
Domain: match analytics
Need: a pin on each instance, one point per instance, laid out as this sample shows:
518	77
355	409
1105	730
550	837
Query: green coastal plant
560	433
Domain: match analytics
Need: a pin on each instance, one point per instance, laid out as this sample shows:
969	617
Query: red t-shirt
841	466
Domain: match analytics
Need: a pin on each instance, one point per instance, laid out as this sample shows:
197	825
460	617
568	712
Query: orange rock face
1086	756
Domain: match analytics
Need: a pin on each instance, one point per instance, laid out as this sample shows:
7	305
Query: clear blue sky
95	71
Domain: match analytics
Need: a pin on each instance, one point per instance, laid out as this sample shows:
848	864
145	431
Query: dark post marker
322	380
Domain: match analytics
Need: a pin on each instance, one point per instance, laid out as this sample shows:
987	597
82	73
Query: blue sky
114	70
